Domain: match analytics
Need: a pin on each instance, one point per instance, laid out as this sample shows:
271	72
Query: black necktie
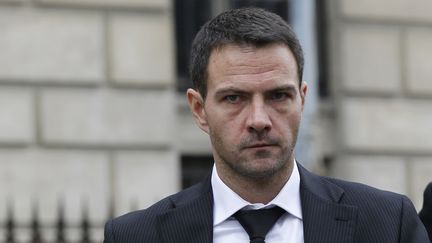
258	223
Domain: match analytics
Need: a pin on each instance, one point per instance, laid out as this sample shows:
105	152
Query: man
246	66
426	212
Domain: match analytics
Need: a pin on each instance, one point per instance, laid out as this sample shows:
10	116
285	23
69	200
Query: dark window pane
322	46
190	15
279	7
195	168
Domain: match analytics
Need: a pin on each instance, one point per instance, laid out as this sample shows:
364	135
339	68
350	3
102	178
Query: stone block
48	45
370	59
420	175
90	117
190	139
14	1
16	116
383	172
419	65
142	178
49	234
46	177
407	10
23	235
386	125
142	49
97	234
159	4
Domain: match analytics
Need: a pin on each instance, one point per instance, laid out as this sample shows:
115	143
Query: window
279	7
195	168
322	48
190	15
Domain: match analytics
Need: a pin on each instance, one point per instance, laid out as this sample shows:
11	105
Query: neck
256	190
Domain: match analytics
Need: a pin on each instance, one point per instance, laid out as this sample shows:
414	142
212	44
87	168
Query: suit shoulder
159	207
143	223
365	196
144	215
140	224
382	212
355	187
335	190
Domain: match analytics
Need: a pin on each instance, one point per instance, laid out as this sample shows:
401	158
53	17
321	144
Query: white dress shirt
226	229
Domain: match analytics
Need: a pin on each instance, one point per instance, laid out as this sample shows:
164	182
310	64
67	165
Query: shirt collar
227	202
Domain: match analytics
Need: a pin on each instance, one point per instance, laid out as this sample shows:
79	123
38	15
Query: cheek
228	130
294	124
287	122
226	116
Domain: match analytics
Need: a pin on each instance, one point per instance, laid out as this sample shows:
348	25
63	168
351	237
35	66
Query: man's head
253	100
246	26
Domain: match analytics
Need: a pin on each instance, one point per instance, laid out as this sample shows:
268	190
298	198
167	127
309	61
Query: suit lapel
191	219
324	219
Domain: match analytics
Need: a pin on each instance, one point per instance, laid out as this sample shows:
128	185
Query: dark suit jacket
426	212
333	211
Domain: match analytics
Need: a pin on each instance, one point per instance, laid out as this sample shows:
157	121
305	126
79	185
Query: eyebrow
235	90
229	90
289	87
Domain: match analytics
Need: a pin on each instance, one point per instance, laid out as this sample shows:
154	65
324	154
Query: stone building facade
381	74
90	113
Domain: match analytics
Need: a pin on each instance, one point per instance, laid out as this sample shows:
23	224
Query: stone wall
87	107
381	82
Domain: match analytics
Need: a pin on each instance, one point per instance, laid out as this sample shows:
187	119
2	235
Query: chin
261	169
259	174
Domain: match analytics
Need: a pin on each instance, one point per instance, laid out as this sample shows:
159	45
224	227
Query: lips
259	145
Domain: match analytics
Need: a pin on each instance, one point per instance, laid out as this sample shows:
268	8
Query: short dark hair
243	26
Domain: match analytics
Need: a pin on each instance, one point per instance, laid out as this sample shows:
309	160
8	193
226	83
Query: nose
258	120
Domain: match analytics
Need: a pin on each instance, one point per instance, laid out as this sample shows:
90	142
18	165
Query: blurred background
94	121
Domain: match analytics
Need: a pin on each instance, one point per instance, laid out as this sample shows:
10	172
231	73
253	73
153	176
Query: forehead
249	66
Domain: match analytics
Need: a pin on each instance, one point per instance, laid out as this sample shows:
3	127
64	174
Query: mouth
259	145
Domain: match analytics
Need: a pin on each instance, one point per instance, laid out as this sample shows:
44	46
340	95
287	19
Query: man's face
252	110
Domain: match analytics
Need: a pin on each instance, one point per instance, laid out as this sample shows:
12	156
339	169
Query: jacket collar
191	218
325	219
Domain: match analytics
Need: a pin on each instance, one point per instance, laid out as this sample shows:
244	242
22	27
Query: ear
196	105
303	91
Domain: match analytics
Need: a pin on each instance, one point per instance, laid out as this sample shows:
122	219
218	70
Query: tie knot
257	223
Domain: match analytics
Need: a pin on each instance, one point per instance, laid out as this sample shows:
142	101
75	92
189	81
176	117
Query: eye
232	98
279	96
